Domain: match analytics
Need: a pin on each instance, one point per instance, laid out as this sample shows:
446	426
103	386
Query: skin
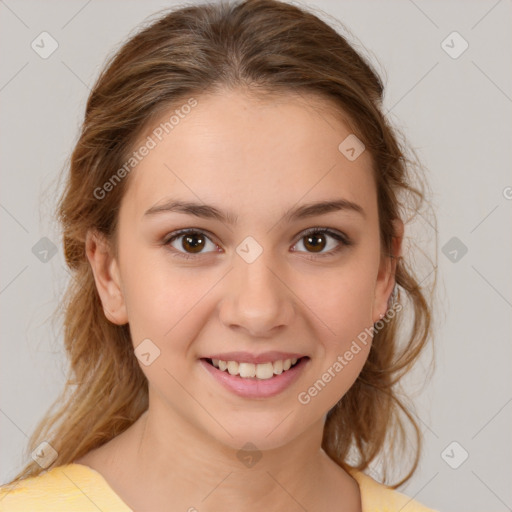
256	158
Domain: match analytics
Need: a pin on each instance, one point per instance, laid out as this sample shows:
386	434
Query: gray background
456	113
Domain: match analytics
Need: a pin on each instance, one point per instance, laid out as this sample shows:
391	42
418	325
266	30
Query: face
261	276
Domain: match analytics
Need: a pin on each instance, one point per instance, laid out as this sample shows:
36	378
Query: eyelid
186	231
334	233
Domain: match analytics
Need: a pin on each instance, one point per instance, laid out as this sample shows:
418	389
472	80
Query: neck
178	464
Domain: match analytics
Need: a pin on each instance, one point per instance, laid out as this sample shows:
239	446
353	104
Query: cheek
164	302
340	300
151	301
340	309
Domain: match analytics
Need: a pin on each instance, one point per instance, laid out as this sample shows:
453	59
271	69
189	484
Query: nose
256	298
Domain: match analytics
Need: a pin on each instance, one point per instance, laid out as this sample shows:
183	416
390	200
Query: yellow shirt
78	488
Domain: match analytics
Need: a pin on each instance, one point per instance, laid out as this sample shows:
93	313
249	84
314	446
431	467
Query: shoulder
377	497
71	487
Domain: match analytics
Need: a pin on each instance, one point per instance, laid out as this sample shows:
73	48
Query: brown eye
322	242
193	243
190	242
315	242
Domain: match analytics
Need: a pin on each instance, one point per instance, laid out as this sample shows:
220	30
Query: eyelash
343	239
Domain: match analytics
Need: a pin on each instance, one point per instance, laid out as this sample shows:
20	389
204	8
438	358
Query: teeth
233	367
261	371
247	370
265	371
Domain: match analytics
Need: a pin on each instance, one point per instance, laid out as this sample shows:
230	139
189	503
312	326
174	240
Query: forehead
251	153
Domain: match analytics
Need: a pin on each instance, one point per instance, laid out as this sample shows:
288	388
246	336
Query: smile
260	371
263	380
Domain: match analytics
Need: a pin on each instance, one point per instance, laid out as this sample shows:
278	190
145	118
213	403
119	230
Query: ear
107	277
386	275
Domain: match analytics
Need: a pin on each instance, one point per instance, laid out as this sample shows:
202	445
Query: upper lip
247	357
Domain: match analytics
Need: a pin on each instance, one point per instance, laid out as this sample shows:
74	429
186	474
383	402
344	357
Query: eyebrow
211	212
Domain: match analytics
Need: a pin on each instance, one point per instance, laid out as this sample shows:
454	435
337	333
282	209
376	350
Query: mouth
261	371
261	381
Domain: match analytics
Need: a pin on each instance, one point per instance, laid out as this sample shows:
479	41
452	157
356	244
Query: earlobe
106	276
386	277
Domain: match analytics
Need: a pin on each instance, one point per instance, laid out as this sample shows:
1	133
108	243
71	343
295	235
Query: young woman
233	219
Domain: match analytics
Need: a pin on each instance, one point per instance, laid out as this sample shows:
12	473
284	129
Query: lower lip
253	387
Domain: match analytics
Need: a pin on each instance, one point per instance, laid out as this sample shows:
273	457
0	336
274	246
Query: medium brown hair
265	47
